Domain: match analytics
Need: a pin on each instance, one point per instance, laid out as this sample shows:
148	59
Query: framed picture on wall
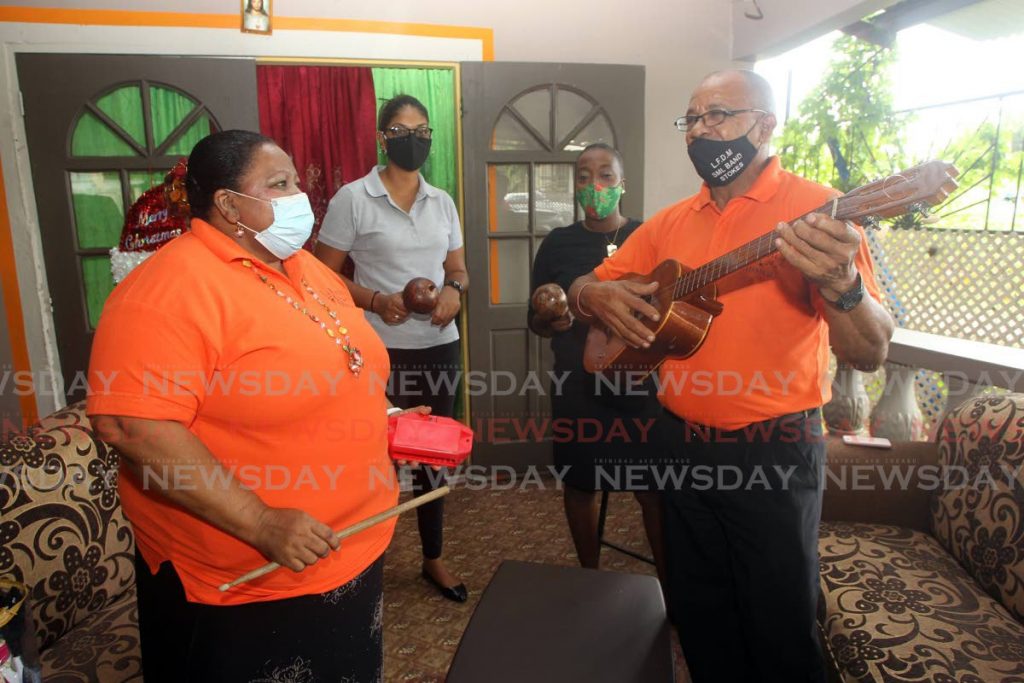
256	16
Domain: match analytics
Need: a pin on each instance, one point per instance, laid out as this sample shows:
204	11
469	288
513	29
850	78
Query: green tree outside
847	134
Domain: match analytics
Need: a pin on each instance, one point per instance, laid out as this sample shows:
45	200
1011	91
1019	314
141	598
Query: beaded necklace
339	335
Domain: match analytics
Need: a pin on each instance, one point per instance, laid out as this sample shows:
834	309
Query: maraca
420	295
549	302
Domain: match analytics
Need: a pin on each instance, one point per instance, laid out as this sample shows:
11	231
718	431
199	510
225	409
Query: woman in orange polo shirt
245	392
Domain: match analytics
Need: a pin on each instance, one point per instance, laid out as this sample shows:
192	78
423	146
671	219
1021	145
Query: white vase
848	410
897	416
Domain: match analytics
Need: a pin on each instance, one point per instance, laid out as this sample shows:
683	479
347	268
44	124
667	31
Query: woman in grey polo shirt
395	226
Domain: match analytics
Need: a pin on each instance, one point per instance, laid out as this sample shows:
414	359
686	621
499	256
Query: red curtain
325	117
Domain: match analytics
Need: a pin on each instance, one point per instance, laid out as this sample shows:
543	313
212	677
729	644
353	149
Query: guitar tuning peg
924	214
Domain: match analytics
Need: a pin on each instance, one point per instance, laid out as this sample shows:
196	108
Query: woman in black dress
620	456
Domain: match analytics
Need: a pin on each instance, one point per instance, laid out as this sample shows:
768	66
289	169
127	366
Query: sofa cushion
897	607
104	647
982	523
62	531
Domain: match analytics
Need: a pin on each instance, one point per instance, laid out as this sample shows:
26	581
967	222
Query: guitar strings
731	261
728	263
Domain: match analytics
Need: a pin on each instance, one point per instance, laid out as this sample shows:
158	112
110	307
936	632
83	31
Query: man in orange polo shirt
742	412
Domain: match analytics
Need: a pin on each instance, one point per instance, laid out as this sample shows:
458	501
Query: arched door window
552	117
534	142
122	143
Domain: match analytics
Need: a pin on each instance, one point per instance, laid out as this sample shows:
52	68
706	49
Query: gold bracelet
579	305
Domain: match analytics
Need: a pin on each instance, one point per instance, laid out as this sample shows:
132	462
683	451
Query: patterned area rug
482	528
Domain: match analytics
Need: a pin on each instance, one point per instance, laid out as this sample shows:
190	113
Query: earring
239	230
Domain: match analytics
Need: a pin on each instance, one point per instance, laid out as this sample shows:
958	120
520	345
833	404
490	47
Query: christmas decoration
157	217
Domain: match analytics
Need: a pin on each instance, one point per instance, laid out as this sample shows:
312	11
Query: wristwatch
849	299
454	284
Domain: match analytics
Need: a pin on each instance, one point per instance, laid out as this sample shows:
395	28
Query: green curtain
98	282
96	196
435	88
93	138
124	106
168	108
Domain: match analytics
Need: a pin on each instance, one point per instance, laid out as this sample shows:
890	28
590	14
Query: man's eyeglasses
423	132
710	118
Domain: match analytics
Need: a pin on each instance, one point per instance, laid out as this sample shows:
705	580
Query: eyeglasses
423	132
710	118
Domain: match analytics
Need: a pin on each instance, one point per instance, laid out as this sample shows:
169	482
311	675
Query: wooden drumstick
349	531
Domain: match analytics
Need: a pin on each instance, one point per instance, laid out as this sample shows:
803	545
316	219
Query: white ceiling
985	20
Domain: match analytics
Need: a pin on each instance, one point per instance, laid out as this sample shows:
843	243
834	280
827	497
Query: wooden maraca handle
420	295
348	531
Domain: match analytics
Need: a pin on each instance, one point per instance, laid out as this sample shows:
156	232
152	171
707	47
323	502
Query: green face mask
599	201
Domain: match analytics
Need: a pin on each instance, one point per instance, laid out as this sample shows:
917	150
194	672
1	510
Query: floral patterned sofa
922	553
63	534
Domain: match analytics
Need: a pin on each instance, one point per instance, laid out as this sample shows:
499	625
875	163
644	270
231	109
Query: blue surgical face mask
292	226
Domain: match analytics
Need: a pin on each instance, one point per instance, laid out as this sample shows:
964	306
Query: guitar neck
730	262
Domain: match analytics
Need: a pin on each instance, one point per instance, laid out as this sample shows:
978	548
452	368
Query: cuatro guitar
686	298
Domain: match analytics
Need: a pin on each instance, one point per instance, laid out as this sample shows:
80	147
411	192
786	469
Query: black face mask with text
719	162
409	152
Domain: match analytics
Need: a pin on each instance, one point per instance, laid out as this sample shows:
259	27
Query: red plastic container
429	439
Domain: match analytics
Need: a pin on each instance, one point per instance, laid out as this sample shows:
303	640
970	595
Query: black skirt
604	433
332	636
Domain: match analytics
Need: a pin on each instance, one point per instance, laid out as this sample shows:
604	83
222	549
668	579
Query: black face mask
409	152
719	162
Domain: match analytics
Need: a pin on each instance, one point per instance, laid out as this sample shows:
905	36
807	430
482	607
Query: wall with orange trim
28	343
10	405
678	41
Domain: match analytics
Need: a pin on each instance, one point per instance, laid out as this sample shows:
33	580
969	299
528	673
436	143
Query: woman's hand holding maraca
422	296
390	308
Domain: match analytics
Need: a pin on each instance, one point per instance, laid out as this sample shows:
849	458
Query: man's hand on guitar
822	249
617	304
